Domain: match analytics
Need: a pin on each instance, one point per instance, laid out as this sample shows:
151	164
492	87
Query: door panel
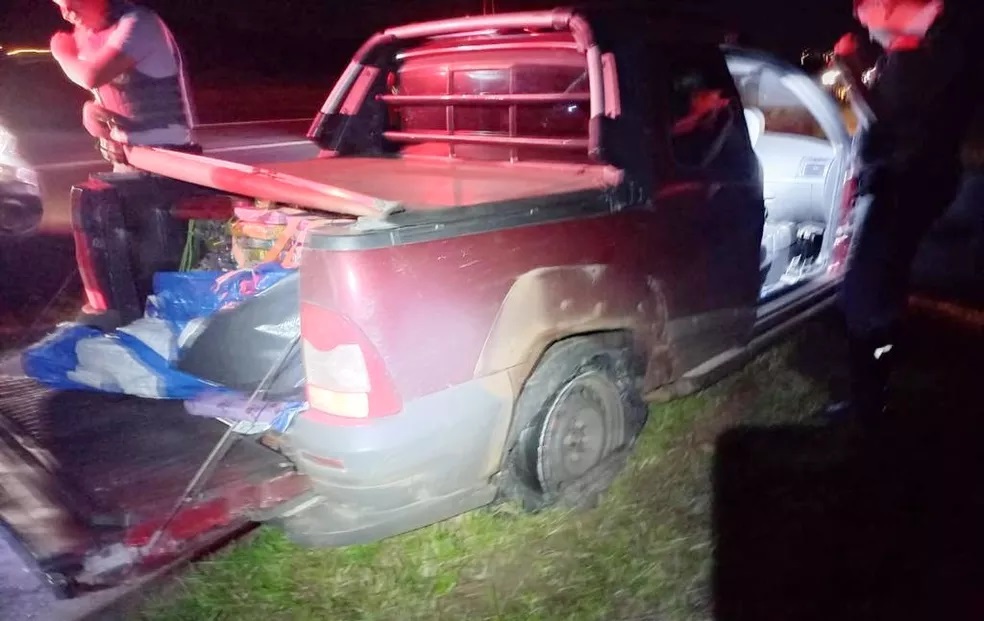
805	151
709	204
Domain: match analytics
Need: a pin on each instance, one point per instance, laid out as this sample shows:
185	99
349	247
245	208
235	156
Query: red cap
888	3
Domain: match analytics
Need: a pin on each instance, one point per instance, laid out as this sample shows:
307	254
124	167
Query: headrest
755	120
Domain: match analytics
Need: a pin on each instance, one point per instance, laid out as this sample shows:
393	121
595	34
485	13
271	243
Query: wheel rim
584	424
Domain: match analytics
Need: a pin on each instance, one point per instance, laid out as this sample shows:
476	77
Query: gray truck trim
433	460
416	227
325	525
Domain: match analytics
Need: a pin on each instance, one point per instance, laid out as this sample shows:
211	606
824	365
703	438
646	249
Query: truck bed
83	471
420	182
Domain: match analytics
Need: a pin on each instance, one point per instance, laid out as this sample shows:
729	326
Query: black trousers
900	213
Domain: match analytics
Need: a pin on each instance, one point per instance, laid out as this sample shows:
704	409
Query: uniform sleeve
136	34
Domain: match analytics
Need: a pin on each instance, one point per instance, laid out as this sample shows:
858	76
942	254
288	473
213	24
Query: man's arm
132	39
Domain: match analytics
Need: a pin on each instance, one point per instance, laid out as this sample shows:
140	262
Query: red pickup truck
526	227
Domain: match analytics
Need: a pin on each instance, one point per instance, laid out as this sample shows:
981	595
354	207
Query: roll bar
344	96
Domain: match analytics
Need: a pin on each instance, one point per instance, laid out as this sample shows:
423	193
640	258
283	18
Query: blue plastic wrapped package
234	287
134	360
140	358
51	360
183	296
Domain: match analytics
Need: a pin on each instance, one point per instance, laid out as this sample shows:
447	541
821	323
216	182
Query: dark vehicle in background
522	228
39	111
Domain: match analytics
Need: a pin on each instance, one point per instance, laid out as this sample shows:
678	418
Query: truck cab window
551	86
783	111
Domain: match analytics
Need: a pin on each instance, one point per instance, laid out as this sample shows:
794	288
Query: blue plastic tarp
139	358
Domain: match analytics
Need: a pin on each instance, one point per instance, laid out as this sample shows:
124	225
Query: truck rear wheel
584	411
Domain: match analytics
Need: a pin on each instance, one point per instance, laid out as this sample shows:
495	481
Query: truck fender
547	304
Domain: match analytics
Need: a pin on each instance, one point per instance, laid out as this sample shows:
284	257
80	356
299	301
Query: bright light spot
485	75
27	50
830	77
26	175
7	142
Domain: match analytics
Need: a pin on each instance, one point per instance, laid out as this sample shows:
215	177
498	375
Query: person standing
127	57
923	96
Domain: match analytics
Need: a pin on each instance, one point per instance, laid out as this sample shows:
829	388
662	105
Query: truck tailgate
86	479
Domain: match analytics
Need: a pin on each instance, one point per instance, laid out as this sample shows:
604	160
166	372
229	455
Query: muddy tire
584	412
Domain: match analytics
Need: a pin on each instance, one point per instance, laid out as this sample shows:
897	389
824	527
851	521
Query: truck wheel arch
548	304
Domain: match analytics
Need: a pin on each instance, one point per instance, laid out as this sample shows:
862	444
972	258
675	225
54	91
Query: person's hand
96	120
63	46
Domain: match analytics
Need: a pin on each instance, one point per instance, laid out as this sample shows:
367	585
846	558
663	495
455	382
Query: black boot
870	362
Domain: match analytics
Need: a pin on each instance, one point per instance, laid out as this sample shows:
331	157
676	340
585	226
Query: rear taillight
845	227
346	376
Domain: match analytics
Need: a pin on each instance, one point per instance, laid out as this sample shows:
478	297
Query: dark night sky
282	38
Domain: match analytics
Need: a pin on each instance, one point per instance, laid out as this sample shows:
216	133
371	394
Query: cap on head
890	19
890	4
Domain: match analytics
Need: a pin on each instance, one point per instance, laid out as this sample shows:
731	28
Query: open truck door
851	72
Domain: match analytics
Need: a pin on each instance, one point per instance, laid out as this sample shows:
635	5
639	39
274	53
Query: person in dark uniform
923	96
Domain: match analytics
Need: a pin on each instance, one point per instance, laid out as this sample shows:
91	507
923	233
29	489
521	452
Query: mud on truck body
526	226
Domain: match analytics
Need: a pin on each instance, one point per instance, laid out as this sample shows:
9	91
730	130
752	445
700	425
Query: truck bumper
433	460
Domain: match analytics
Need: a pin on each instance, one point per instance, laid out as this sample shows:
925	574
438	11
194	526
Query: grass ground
732	500
496	564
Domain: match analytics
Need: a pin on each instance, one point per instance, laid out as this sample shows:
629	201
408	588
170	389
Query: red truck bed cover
417	182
